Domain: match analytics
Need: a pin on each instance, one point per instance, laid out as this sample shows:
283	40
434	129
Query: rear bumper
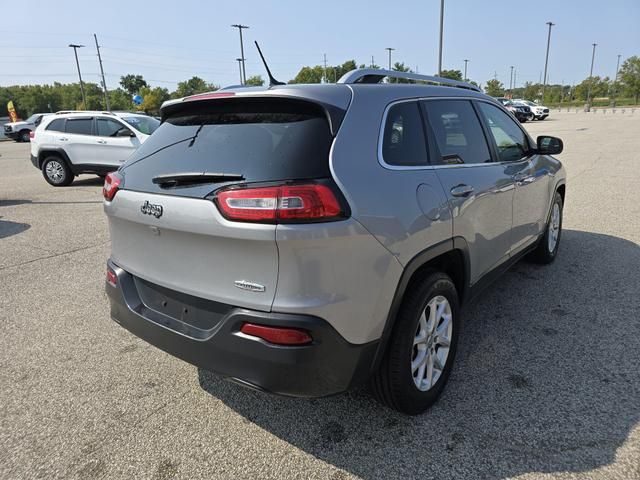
327	366
34	161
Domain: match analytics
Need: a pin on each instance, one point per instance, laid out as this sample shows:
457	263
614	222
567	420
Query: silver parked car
304	239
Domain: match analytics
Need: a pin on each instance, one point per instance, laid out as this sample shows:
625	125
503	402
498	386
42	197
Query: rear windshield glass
262	140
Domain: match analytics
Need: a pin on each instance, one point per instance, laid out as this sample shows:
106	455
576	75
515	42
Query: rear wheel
422	347
56	171
547	249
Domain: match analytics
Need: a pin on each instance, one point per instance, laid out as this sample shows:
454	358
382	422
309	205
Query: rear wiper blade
192	178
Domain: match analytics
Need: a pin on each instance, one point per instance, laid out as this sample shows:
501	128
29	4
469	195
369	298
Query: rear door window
458	132
403	142
261	139
79	126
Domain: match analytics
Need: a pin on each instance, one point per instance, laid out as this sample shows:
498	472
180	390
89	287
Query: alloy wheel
554	228
431	343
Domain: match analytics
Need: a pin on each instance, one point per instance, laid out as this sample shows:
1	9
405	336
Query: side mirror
125	132
549	145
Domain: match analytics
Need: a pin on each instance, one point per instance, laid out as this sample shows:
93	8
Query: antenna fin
272	81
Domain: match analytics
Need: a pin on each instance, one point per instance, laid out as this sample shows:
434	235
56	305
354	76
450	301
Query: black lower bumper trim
327	366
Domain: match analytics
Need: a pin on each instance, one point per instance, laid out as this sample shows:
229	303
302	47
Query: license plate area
198	313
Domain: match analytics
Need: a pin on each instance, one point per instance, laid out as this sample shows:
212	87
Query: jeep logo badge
151	209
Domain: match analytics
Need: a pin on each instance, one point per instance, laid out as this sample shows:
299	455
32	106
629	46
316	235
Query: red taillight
111	184
281	204
277	335
112	278
32	134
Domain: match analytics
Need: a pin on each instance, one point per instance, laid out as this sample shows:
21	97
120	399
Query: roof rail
373	75
64	112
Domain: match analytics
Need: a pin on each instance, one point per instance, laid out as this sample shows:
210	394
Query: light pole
244	71
104	83
441	30
239	60
465	68
75	51
546	59
511	79
615	80
389	49
593	56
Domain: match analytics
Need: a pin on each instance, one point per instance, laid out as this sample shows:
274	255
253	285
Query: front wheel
422	347
547	249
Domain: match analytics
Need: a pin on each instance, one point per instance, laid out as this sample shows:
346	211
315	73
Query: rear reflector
281	204
111	185
32	134
112	278
276	335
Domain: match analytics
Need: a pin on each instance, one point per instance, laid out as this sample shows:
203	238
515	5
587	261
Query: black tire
24	136
393	384
543	117
543	254
63	175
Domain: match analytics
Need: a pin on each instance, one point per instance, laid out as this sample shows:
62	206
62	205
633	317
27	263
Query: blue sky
171	41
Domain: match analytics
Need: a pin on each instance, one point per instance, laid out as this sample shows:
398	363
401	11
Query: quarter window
511	141
457	131
404	143
80	126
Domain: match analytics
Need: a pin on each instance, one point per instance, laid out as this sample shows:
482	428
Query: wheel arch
58	152
450	257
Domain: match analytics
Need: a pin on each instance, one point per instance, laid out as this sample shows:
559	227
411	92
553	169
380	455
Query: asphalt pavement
546	383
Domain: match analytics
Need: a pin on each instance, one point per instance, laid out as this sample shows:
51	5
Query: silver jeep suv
303	239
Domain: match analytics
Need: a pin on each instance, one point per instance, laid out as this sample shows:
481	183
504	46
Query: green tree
309	75
599	88
452	74
630	77
494	88
120	100
400	67
362	65
133	83
192	86
255	81
340	70
153	99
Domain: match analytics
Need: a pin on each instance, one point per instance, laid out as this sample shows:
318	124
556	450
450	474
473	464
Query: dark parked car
521	112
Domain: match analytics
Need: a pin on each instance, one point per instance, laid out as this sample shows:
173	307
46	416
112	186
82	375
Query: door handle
101	141
63	139
523	178
461	190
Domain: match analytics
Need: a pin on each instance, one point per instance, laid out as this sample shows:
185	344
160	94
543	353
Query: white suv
540	112
70	143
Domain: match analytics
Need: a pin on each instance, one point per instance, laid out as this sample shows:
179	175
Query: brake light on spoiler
207	96
280	204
